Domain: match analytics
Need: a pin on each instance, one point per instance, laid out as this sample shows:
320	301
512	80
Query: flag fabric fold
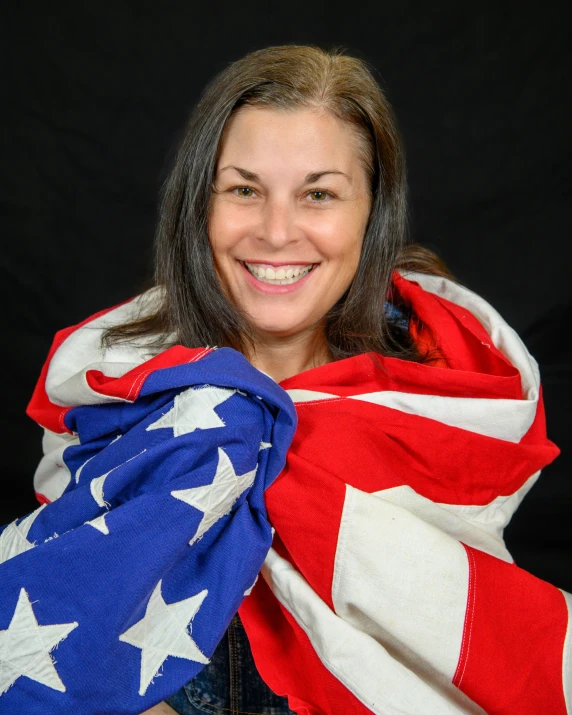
387	587
395	592
136	569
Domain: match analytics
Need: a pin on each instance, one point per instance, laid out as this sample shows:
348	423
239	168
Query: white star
163	632
25	648
264	445
78	472
96	489
249	590
99	523
194	409
96	485
13	539
216	499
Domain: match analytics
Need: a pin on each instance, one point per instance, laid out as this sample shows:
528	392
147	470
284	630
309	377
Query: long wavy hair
194	310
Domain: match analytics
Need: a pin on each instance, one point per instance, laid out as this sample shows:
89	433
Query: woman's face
288	216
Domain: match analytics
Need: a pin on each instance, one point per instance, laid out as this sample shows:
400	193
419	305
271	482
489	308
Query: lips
278	273
274	264
295	276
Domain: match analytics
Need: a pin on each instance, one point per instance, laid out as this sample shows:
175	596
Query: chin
278	330
275	331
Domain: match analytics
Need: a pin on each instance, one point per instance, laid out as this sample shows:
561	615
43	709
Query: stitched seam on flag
339	557
471	608
138	382
198	356
61	419
567	651
468	626
135	382
323	401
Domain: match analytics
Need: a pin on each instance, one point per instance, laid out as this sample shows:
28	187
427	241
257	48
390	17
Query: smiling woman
286	247
284	217
416	427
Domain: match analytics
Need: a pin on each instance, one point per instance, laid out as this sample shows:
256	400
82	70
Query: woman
387	588
310	110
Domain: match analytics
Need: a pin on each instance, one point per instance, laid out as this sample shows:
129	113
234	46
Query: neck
283	357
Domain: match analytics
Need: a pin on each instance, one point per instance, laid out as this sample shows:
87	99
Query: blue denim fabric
230	683
396	315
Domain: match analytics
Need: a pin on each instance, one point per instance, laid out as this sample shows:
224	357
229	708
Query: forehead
307	139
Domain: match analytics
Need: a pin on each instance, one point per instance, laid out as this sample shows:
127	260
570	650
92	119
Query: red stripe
511	657
445	464
51	416
128	386
286	659
312	543
455	331
40	408
469	619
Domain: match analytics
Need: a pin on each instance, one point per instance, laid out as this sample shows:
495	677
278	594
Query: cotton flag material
387	587
117	592
394	590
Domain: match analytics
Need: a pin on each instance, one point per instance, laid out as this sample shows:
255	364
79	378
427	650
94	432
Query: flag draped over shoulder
387	588
135	570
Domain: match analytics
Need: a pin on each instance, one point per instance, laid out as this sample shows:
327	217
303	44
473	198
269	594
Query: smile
284	275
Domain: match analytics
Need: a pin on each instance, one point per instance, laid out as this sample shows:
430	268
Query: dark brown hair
195	309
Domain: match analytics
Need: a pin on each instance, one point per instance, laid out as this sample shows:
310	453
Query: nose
278	227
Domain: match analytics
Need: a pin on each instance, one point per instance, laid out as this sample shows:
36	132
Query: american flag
387	587
137	568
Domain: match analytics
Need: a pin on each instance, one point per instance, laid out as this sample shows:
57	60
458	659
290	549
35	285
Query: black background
96	96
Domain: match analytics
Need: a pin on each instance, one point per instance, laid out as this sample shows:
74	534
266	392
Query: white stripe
358	661
479	526
310	395
567	656
81	351
404	582
52	474
508	420
503	337
504	419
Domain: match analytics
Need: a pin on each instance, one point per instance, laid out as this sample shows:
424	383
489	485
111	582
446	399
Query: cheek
223	229
341	239
343	220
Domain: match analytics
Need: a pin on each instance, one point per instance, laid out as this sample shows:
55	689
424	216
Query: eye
319	196
243	191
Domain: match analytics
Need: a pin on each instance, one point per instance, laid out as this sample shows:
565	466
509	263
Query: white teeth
279	276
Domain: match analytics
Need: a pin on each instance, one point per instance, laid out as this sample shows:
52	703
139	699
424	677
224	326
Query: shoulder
469	333
94	326
78	349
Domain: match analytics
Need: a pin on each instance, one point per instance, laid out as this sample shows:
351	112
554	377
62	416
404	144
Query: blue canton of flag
137	569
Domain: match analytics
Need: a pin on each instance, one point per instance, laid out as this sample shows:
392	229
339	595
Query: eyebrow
310	178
